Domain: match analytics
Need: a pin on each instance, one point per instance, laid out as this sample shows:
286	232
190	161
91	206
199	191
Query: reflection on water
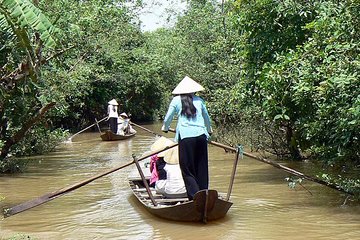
264	207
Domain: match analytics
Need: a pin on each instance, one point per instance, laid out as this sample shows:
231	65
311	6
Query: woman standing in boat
113	115
192	132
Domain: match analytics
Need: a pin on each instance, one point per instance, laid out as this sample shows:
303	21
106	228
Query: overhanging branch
22	132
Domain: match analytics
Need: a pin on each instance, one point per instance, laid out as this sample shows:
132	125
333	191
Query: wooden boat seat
155	195
172	200
166	201
159	197
143	189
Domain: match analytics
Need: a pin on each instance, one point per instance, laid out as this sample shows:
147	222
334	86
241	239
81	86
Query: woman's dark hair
188	109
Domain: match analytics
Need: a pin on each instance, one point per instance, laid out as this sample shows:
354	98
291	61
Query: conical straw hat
124	115
171	155
113	102
187	85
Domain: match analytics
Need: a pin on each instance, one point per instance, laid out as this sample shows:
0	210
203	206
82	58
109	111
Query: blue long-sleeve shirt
188	127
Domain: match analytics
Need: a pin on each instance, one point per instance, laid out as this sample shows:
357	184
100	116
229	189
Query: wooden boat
206	206
110	136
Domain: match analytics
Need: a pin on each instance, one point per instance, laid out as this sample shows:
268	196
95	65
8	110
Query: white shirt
113	111
174	183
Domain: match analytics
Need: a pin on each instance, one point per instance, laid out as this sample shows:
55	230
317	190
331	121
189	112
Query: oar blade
29	204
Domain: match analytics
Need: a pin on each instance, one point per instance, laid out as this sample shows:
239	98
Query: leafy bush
317	89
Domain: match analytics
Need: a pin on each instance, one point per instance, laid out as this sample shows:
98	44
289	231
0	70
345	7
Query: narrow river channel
263	205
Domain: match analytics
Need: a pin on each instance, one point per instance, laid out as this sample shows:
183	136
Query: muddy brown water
263	205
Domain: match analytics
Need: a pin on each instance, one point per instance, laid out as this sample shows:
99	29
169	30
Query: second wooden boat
110	136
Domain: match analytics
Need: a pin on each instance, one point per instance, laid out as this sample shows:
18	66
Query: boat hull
206	206
110	136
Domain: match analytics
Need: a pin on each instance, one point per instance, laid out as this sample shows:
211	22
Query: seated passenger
124	126
169	180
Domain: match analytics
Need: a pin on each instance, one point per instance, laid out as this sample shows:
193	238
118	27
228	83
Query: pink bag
154	174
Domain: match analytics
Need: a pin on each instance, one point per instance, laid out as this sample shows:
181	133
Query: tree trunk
292	144
22	132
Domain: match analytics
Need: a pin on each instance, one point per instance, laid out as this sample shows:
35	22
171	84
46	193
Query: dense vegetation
281	75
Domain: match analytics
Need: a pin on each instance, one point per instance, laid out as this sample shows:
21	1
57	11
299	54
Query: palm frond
20	15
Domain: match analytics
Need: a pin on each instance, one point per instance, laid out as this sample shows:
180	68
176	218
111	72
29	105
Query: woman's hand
163	129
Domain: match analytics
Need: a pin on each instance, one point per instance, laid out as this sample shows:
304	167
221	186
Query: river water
263	205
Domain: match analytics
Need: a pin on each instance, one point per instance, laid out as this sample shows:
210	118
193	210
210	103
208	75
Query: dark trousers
193	158
113	124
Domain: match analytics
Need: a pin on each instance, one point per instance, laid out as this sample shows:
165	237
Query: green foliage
21	16
198	46
204	50
88	71
13	165
317	86
263	65
100	58
107	62
267	28
258	32
297	78
292	182
349	184
28	40
40	140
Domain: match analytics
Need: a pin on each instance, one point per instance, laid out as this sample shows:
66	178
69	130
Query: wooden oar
97	122
286	169
232	179
277	165
50	196
145	181
143	128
